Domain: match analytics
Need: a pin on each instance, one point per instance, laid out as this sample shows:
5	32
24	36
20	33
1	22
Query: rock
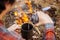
58	29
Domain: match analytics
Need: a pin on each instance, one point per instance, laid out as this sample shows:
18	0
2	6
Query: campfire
22	16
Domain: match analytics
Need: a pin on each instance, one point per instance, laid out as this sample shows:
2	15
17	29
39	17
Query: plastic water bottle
49	32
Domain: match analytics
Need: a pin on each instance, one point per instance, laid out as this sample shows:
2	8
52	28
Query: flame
24	15
23	18
29	5
19	21
16	13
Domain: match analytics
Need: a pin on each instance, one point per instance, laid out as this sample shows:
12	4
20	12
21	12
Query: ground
43	4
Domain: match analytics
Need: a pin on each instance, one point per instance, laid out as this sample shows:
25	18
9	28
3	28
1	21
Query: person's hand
43	18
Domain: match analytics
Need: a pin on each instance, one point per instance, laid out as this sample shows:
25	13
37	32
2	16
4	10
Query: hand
43	18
